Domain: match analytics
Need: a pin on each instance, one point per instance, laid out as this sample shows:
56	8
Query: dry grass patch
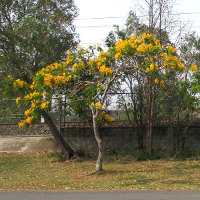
43	171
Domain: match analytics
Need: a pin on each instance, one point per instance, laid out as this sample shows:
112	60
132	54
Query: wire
102	18
100	26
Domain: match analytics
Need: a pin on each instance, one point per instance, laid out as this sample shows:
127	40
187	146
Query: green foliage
56	156
132	26
183	153
34	34
143	156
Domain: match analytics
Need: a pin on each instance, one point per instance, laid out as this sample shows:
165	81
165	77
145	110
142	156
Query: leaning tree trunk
100	144
65	148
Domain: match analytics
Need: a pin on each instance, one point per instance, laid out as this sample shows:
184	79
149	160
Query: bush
183	153
142	156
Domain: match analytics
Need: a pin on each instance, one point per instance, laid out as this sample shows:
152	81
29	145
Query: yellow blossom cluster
108	118
48	78
98	105
100	85
194	68
34	103
45	105
54	75
103	54
79	65
17	100
52	67
144	47
172	61
105	70
29	111
23	123
172	49
99	63
136	45
162	83
156	80
147	35
32	95
103	117
19	83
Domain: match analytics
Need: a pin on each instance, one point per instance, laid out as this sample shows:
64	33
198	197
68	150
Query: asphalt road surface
100	195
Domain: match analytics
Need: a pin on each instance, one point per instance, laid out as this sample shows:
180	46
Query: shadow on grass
105	172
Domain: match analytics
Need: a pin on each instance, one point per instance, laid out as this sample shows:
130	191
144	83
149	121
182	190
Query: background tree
33	34
157	18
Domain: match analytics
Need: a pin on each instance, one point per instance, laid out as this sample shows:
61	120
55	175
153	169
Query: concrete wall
116	138
27	144
121	138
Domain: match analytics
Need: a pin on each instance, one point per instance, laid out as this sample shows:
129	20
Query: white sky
91	33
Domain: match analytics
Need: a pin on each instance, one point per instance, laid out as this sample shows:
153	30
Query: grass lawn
20	171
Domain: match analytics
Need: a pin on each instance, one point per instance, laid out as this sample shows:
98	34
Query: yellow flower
106	70
120	45
32	87
132	38
142	47
19	83
78	65
146	35
68	78
44	105
156	80
148	69
22	123
118	55
48	79
172	49
104	54
34	103
162	84
156	67
28	112
9	76
29	120
194	68
17	100
151	66
98	105
109	118
32	95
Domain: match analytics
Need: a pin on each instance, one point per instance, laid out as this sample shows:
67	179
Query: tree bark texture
140	134
149	116
65	148
100	144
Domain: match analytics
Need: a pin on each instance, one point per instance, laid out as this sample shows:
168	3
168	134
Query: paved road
100	195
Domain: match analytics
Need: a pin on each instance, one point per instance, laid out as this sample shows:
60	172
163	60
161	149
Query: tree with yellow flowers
85	78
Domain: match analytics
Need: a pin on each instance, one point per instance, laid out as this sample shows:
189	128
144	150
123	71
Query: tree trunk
100	144
149	116
140	138
185	131
65	148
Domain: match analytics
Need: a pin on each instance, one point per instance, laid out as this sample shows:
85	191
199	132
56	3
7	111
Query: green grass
46	171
